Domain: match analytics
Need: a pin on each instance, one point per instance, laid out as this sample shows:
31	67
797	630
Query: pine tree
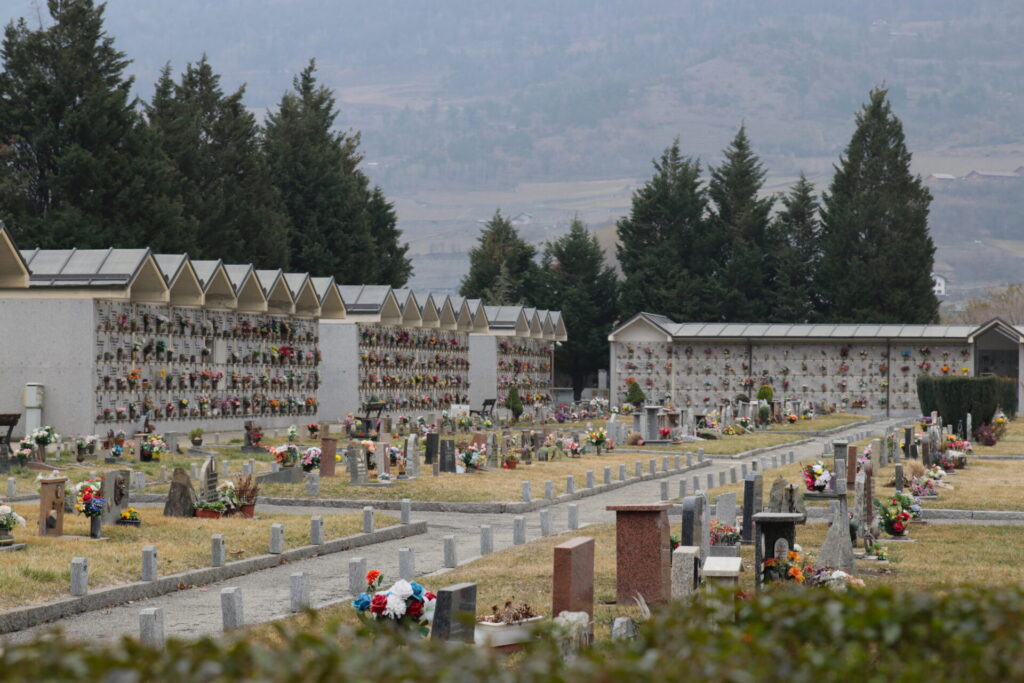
77	165
793	297
740	235
501	254
225	188
339	226
877	253
579	284
664	248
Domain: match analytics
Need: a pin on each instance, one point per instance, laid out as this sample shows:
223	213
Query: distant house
521	219
977	176
939	284
940	178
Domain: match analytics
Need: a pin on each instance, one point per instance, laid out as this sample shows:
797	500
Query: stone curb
759	451
25	617
516	508
946	513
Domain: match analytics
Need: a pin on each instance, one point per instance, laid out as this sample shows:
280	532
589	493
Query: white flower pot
498	635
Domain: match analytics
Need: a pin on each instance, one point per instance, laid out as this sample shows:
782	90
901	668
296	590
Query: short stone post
368	520
406	511
486	539
299	591
607	475
570	484
682	488
316	530
711	481
231	608
689	460
149	569
151	627
406	563
356	575
638	469
518	530
590	479
450	557
276	539
217	553
79	576
622	472
652	466
573	511
664	490
526	492
700	455
545	522
549	490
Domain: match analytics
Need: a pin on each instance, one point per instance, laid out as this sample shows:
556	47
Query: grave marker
573	589
643	554
455	613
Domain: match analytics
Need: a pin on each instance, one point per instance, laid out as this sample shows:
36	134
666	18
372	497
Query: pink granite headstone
643	553
573	589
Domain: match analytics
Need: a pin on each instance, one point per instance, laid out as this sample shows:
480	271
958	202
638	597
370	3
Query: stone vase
6	538
95	527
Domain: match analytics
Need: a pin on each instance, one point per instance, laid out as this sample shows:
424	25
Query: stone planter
129	522
500	635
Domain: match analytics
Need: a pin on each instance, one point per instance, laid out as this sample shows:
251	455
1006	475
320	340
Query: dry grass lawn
42	571
821	423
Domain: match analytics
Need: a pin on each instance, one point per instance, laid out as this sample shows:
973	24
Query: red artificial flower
86	495
378	603
898	527
372	576
414	609
430	596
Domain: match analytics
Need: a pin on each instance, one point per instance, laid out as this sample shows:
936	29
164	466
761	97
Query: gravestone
899	477
412	456
643	553
493	455
785	497
51	506
248	446
685	571
181	498
455	613
705	525
447	456
328	456
753	502
692	514
208	481
382	459
837	549
433	441
573	577
725	508
851	465
356	461
115	492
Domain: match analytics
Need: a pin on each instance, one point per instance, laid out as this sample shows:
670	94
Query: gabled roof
306	300
448	315
185	288
218	290
1001	327
658	324
275	288
248	291
331	304
131	269
364	298
477	315
14	273
429	315
547	326
559	324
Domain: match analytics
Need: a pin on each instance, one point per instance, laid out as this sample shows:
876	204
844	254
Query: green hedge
793	635
1008	401
954	397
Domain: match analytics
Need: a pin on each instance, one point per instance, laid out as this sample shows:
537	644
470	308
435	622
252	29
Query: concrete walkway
196	612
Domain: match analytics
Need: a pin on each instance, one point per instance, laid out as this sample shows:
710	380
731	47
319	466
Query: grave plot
819	423
41	571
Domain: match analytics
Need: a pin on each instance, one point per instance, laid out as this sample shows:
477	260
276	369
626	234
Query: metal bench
487	410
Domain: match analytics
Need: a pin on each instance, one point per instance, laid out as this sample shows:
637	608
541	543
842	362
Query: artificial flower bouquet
817	477
598	438
311	459
406	603
472	457
896	512
286	455
923	486
789	568
313	429
724	534
89	498
9	518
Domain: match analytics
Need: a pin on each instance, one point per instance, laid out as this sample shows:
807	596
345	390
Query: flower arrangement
313	429
286	455
923	486
665	432
785	569
406	603
9	518
228	495
293	433
724	534
473	457
792	418
89	499
131	515
598	437
44	436
311	459
956	444
835	579
895	513
817	477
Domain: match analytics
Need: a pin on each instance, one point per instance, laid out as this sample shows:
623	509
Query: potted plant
8	520
313	429
211	510
725	540
196	436
506	625
130	517
511	461
246	489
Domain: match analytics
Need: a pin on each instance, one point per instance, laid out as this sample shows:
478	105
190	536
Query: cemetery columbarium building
870	368
114	334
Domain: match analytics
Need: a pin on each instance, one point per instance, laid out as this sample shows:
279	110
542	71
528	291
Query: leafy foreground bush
786	635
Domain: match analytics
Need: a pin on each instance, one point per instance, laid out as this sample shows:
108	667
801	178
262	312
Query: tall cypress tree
77	165
793	297
665	250
214	143
877	253
501	266
739	229
577	282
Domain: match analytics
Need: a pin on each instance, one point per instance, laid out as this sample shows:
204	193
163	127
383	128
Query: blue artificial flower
362	603
417	591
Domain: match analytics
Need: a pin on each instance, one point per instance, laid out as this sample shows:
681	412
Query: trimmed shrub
954	397
635	395
514	403
786	634
765	393
1008	400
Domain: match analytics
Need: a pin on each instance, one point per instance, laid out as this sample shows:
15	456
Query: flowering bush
311	459
405	603
817	477
724	534
896	512
9	518
89	499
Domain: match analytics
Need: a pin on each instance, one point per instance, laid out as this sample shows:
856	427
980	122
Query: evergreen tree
793	297
664	250
338	225
501	254
77	165
214	143
877	253
579	284
739	231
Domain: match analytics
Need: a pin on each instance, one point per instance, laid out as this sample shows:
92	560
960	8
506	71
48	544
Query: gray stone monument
455	613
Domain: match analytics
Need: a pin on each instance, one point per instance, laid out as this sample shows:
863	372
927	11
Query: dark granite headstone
181	498
447	456
433	439
455	613
691	521
753	502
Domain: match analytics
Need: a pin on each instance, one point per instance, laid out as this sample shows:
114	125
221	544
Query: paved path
196	612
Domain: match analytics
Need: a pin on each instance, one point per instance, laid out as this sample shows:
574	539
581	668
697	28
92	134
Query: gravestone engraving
115	492
208	481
